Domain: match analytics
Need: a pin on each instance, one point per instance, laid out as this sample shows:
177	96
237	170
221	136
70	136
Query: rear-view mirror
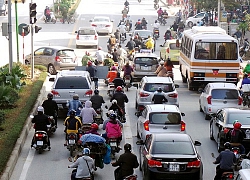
161	45
52	79
197	143
176	86
76	32
183	114
140	142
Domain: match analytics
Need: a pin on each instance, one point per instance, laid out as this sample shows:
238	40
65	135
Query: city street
53	164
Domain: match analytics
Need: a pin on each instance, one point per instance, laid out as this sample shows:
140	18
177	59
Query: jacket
118	82
41	121
235	136
112	75
75	105
130	45
92	71
127	70
158	98
226	159
150	43
121	99
127	162
97	101
113	130
87	113
50	107
72	124
82	167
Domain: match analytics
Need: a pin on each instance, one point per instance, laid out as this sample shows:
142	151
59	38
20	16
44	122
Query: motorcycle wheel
40	150
71	150
54	21
127	87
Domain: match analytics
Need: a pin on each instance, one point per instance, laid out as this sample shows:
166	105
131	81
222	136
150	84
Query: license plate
145	68
127	81
98	116
112	143
67	60
86	38
71	141
247	136
174	167
39	143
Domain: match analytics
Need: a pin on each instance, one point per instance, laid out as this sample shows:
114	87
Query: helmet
114	101
127	147
159	89
227	145
136	37
89	63
139	19
40	109
113	68
237	125
75	97
72	112
119	88
235	121
94	126
96	91
161	62
50	95
99	48
86	151
112	116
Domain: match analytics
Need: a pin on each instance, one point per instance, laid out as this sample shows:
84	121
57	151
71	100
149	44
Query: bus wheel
190	87
184	80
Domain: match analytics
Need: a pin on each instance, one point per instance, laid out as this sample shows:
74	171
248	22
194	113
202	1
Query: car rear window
244	118
72	83
173	46
224	94
173	147
86	32
146	61
152	87
101	20
165	118
143	33
66	53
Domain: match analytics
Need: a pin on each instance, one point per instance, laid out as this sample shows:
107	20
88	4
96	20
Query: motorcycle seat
227	173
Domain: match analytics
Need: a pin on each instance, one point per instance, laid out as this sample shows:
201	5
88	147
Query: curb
21	140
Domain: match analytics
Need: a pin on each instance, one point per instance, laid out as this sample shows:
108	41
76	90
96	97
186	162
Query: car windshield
66	53
243	117
144	33
152	87
101	20
72	83
173	147
224	94
146	61
86	32
174	47
165	118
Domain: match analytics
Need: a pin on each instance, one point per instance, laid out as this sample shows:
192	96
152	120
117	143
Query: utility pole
219	12
17	39
10	36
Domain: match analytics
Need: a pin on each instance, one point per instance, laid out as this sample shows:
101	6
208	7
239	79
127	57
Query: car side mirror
76	32
197	143
140	142
183	114
90	20
51	79
176	86
138	114
161	45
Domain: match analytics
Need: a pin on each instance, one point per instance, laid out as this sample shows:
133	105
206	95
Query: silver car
68	83
55	58
160	118
149	85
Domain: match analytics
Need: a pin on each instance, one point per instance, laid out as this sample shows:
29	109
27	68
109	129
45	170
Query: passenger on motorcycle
144	23
118	81
86	58
236	136
122	54
94	129
122	29
112	74
72	124
138	25
85	166
137	41
159	12
159	97
97	100
40	124
169	65
150	43
47	14
100	55
130	45
109	113
111	42
247	68
74	104
226	160
121	99
88	113
128	71
126	162
174	26
50	107
160	67
117	36
165	13
113	129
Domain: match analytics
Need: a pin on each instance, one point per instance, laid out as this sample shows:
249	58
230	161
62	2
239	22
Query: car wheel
219	142
200	107
190	24
51	69
190	87
207	117
211	132
136	105
184	80
146	174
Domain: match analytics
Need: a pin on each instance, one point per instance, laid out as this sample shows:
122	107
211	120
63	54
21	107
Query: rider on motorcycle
75	104
246	80
236	136
130	45
144	23
124	12
160	67
112	74
88	113
113	129
108	114
40	124
126	162
97	100
50	107
72	124
159	97
126	3
111	42
94	129
122	29
167	35
128	71
138	25
118	81
226	159
84	164
159	12
174	26
247	68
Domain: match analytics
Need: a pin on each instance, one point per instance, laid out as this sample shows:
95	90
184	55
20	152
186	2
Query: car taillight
57	58
107	26
89	93
240	100
141	108
142	94
167	50
55	93
77	37
146	125
154	163
174	95
194	164
209	99
39	135
183	126
95	38
94	25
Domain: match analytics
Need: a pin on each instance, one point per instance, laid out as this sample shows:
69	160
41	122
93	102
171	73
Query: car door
48	56
145	150
218	124
203	98
141	120
198	17
38	55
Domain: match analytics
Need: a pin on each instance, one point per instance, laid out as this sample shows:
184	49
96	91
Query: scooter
72	142
51	20
98	119
113	142
40	141
156	33
111	89
127	80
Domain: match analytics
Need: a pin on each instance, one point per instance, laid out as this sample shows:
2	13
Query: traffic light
33	13
37	28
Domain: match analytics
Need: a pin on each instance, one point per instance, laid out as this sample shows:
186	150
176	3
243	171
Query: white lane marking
127	129
27	164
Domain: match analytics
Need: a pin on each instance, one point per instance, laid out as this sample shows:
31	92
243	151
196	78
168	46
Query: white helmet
122	23
114	101
110	112
40	108
161	62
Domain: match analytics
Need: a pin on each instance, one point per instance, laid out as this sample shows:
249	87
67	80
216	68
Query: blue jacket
226	159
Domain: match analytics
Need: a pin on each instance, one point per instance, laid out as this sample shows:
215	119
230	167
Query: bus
208	54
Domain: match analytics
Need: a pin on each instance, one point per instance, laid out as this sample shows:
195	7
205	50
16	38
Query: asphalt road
53	164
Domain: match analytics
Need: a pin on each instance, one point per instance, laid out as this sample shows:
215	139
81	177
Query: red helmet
237	125
89	63
94	126
136	37
119	88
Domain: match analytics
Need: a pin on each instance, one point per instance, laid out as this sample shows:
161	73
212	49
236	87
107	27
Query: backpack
112	41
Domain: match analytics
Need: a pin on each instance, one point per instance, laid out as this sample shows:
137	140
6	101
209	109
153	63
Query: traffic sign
23	28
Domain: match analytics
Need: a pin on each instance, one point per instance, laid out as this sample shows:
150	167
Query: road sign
24	27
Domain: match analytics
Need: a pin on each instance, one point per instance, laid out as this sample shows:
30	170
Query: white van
244	174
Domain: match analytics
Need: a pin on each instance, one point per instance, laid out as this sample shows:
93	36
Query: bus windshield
216	50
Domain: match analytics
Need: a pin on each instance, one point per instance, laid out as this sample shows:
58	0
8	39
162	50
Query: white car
197	18
86	36
216	96
102	24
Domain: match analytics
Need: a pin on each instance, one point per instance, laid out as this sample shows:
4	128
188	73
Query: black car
222	121
170	156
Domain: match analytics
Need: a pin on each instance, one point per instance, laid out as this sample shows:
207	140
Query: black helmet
112	116
127	147
159	89
227	145
96	91
50	95
72	112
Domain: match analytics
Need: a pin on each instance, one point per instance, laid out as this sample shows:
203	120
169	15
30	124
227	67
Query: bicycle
70	19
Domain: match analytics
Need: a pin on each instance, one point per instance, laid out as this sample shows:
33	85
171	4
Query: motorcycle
72	142
40	141
114	145
111	89
156	6
164	20
238	157
122	38
127	80
98	119
243	51
52	127
52	18
156	33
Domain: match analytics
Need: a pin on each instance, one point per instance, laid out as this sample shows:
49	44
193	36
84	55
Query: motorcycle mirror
212	154
76	32
70	159
161	45
31	116
176	86
106	107
90	21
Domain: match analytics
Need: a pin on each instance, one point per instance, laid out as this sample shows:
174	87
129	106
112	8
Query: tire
51	69
211	132
190	87
140	165
40	150
127	88
71	150
54	21
200	107
136	105
207	117
190	24
137	135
